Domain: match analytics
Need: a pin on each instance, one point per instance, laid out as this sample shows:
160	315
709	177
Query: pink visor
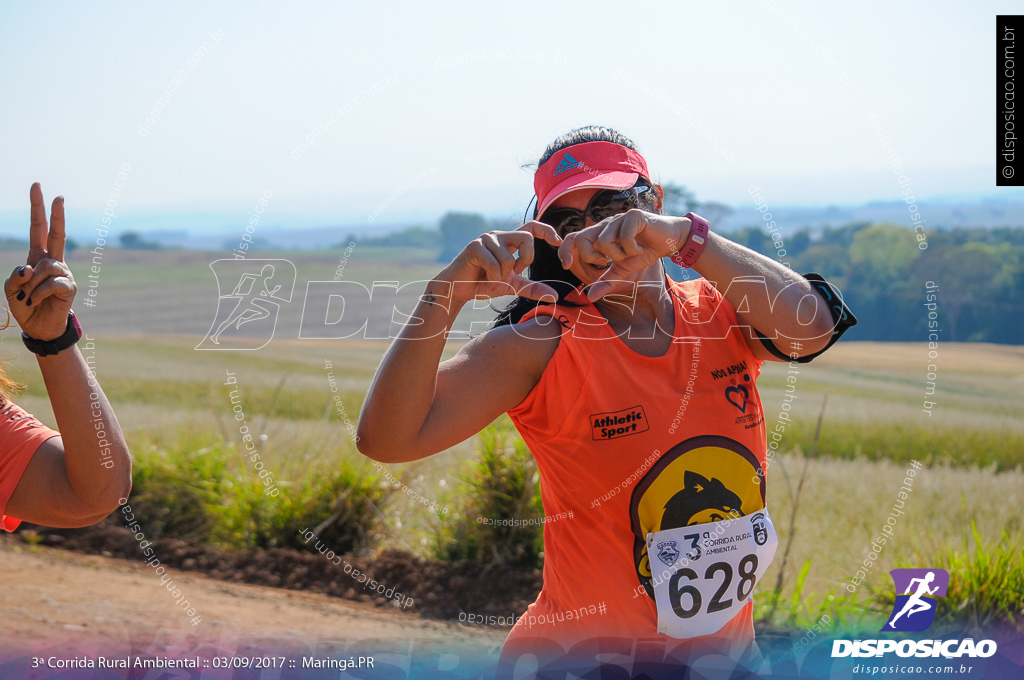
603	165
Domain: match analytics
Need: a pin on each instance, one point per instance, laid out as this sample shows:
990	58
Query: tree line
880	268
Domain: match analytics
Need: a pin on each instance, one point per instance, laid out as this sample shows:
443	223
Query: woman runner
635	393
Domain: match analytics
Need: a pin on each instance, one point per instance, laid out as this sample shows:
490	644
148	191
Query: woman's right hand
39	294
488	268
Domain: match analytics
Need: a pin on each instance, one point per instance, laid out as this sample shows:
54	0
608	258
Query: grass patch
497	523
200	487
801	610
902	443
287	404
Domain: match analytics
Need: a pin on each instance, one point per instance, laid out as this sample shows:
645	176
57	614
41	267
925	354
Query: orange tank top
20	435
630	444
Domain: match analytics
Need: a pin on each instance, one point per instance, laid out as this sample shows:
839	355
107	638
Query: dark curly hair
545	266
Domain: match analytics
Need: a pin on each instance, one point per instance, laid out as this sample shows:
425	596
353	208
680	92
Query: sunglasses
604	204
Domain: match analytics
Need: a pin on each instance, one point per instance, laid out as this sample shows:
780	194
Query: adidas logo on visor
567	163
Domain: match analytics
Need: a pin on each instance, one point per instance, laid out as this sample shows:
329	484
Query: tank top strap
574	313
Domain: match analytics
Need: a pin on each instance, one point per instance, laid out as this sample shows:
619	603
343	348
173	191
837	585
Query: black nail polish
21	270
21	295
28	303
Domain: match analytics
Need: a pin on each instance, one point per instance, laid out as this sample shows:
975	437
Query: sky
411	109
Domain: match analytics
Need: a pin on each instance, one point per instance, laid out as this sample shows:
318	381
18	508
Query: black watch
45	348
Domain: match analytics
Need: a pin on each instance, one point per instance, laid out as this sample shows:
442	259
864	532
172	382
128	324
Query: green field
154	308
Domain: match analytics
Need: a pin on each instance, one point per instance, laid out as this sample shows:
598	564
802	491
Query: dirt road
56	599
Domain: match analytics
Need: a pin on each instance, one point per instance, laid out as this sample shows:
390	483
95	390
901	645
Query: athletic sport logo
914	610
258	288
615	424
567	163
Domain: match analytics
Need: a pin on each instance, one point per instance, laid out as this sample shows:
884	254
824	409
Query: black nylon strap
45	348
842	318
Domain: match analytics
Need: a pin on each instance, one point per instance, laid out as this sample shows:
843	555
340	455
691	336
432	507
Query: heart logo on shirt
741	405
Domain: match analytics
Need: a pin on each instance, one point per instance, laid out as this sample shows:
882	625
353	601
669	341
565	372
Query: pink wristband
695	241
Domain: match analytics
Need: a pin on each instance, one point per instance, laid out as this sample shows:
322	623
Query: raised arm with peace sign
39	293
78	475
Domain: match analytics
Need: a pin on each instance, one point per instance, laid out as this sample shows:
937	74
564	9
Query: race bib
703	574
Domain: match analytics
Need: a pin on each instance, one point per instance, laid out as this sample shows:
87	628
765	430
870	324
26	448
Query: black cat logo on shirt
701	500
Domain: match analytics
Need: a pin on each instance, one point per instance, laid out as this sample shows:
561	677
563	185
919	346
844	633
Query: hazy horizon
197	228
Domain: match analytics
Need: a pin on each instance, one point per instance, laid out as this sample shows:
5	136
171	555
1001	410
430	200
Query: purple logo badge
916	593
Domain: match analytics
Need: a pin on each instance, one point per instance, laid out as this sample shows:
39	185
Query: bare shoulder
533	341
526	348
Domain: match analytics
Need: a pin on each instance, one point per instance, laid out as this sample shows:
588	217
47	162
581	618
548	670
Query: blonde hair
7	386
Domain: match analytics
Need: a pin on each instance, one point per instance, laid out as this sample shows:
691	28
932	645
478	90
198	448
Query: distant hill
935	214
211	230
790	219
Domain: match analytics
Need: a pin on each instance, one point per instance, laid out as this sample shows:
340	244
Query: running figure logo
914	610
250	310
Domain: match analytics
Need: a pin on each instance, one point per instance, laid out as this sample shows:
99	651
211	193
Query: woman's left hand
39	294
633	241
